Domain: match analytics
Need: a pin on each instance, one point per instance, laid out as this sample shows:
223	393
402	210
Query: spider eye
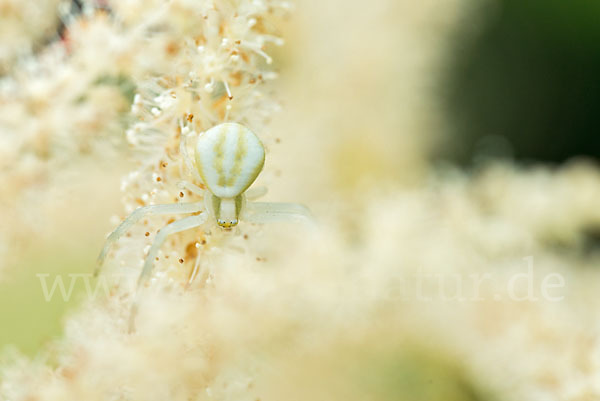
227	224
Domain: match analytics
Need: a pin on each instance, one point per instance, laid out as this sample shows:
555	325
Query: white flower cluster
462	287
181	65
218	71
25	24
447	296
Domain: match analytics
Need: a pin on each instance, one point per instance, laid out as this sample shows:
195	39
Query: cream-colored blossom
24	26
387	300
192	64
340	316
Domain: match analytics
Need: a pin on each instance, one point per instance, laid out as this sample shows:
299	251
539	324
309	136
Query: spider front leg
256	192
193	188
173	228
189	162
266	212
177	208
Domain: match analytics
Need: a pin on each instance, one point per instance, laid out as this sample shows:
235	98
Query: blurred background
520	82
375	96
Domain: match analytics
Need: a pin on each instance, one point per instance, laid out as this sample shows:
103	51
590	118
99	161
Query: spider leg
256	192
189	162
175	227
266	212
194	272
136	216
183	184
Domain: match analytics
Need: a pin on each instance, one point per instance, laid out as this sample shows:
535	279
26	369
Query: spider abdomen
229	157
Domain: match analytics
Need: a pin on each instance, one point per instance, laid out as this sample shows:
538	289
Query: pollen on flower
365	306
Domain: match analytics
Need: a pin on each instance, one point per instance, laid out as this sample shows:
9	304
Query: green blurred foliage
417	375
123	82
525	83
62	241
385	367
28	320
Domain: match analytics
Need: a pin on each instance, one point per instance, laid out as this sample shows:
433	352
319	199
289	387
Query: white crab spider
229	157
